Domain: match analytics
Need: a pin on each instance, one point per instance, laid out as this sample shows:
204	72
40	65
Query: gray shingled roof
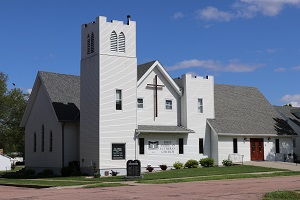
64	92
244	110
143	68
170	129
287	112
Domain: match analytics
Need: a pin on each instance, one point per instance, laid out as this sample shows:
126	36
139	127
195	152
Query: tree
289	104
12	106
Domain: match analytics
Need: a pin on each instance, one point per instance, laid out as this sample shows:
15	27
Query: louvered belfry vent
121	44
92	43
114	42
88	45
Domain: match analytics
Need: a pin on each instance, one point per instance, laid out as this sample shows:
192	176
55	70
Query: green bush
66	171
207	162
178	165
29	172
46	173
191	164
163	167
227	163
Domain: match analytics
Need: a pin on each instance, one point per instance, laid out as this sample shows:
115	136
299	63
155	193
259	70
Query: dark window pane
235	148
142	145
201	149
180	145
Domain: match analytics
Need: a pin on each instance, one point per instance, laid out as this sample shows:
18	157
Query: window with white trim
169	104
200	105
140	103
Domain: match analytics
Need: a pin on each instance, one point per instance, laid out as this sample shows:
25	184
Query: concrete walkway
277	165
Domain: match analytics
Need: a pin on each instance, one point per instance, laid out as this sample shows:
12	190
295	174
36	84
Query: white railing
236	158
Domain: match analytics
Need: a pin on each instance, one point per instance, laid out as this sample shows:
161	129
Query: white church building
117	111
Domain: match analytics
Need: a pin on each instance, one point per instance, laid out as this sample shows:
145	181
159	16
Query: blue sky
240	42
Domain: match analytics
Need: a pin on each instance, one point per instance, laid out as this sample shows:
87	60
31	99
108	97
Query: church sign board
162	147
133	168
118	152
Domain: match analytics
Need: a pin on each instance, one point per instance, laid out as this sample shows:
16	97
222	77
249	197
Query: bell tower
108	78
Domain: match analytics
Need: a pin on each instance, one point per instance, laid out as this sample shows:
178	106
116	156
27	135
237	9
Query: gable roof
287	112
244	110
63	91
145	69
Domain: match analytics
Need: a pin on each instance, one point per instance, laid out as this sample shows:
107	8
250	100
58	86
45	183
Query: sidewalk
277	165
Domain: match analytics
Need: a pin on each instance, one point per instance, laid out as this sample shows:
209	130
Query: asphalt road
222	189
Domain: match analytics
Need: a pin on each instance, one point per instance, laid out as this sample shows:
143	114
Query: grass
169	176
278	195
211	171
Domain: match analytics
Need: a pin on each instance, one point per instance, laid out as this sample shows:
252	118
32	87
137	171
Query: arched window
34	142
92	43
50	141
121	42
88	44
43	139
113	42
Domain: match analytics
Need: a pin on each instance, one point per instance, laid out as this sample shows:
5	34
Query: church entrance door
257	149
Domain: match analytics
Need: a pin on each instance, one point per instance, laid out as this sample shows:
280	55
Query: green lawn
278	195
169	176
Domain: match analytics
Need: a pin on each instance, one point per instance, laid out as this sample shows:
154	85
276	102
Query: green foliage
66	171
282	195
191	164
163	167
97	174
178	165
46	173
12	106
207	162
29	172
227	163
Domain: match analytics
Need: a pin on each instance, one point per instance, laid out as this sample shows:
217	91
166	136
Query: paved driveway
222	189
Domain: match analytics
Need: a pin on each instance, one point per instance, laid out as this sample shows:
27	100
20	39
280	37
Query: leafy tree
12	106
289	104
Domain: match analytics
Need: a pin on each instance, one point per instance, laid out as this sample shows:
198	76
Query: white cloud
232	66
178	15
28	91
294	99
280	69
247	9
296	68
212	13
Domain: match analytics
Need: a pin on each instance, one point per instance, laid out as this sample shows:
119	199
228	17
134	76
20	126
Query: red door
257	148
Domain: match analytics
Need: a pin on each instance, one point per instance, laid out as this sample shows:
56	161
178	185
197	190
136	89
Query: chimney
128	19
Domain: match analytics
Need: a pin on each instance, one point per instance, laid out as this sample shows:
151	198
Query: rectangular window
201	147
140	103
118	152
118	99
200	105
168	104
142	145
50	142
43	141
277	146
294	142
235	147
180	145
34	142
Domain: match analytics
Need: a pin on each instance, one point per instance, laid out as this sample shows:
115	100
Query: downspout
63	143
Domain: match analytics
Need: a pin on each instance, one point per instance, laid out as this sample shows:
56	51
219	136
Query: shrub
97	174
149	168
29	172
66	171
178	165
163	167
227	163
207	162
46	173
191	164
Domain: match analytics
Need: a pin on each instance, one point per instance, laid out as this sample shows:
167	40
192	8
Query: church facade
117	110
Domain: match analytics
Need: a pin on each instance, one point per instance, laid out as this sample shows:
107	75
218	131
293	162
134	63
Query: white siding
146	115
5	163
102	73
42	113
